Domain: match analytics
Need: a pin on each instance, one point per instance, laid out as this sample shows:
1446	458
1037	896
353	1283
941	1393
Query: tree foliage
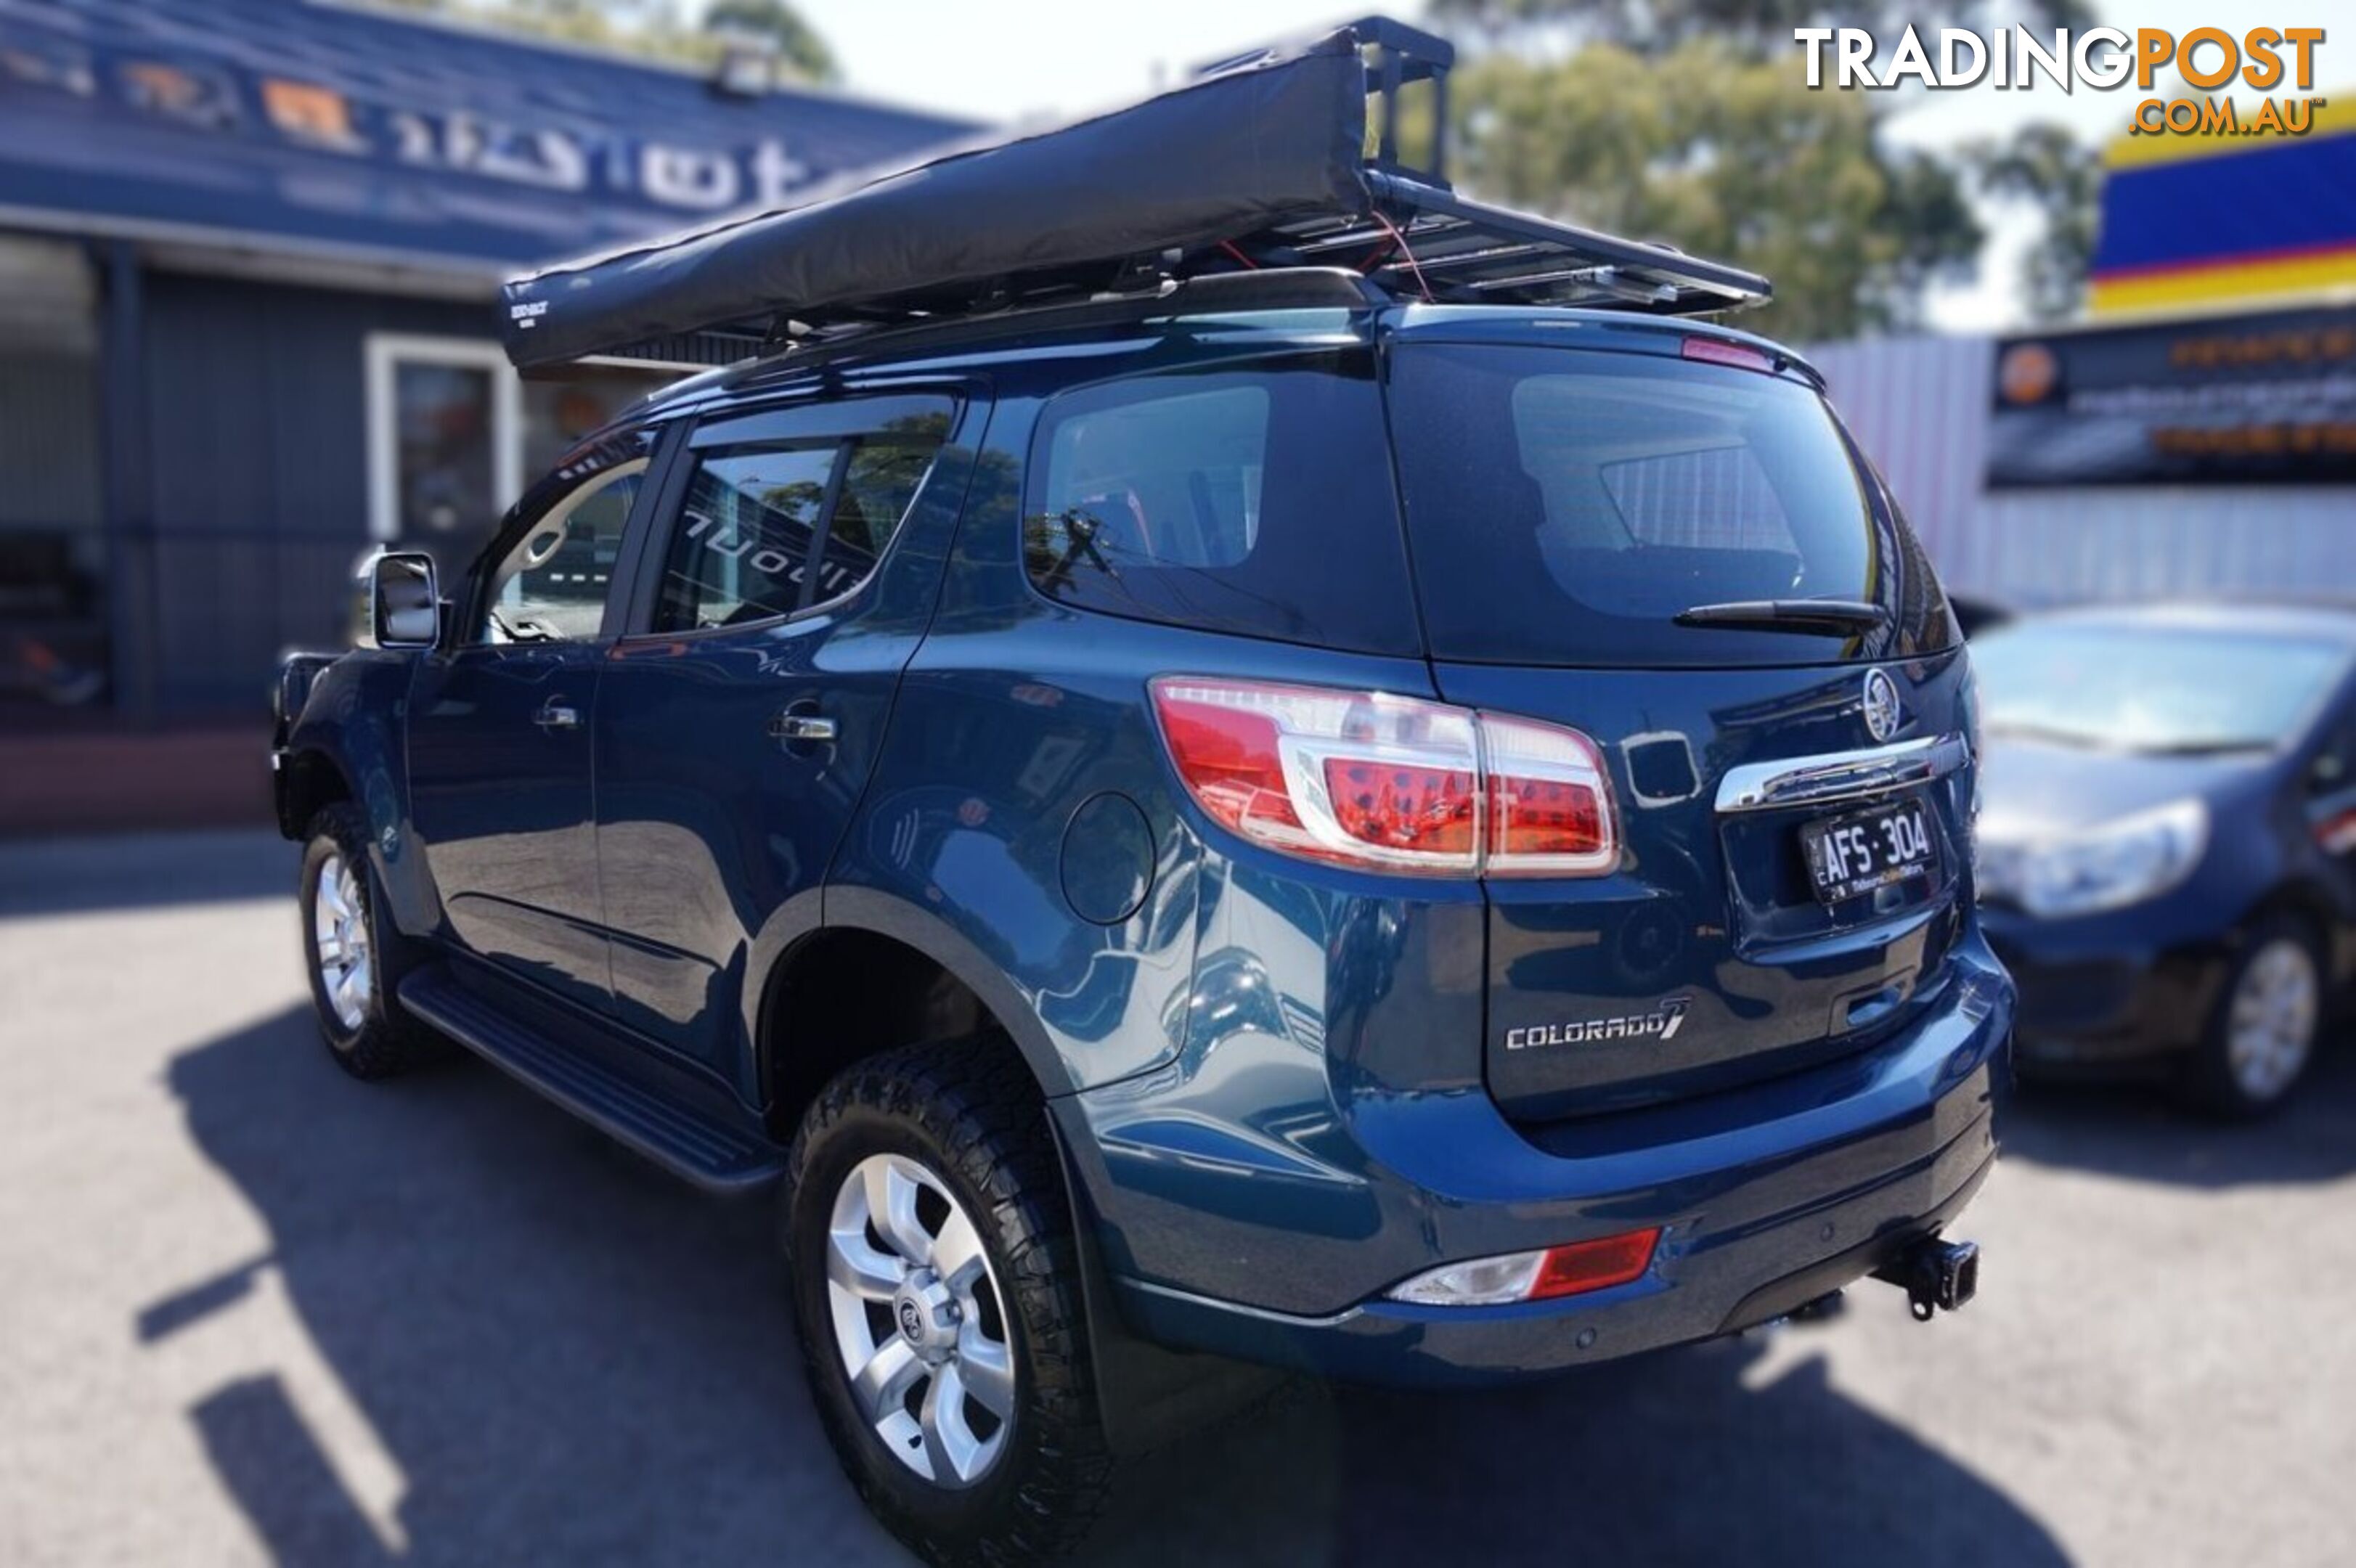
798	44
1663	23
655	29
1728	156
2046	167
1688	121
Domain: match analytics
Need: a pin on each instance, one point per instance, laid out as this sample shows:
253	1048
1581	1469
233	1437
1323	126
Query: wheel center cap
926	1313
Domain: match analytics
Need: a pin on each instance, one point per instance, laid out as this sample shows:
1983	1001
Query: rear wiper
1838	617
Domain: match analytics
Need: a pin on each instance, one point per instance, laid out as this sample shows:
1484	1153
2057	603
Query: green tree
2049	170
1690	122
799	48
1724	155
655	29
1663	23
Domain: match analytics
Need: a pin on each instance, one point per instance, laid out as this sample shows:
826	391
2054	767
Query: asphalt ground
252	1310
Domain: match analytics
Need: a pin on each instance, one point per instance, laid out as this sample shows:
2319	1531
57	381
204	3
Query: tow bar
1937	1276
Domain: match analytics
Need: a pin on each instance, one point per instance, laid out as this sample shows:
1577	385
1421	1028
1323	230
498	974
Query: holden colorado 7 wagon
1275	807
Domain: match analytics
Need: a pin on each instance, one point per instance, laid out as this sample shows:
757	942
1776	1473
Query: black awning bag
1274	140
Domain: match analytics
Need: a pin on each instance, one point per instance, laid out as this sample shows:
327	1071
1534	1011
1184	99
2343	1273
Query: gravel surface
254	1311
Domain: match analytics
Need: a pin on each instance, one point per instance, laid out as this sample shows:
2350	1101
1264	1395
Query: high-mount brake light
1718	351
1389	783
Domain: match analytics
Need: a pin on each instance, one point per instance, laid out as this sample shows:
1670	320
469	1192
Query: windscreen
1566	505
2137	688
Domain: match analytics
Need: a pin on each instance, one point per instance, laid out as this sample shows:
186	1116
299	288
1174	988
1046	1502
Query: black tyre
935	1279
354	954
2262	1033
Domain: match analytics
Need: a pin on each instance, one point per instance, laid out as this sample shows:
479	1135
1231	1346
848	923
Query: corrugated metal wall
1920	407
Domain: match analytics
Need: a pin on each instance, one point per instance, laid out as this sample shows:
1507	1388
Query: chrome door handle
554	715
801	727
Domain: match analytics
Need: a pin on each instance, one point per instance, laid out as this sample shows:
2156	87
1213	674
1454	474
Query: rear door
791	572
1790	805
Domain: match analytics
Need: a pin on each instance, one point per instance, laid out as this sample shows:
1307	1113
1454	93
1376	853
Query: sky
1001	60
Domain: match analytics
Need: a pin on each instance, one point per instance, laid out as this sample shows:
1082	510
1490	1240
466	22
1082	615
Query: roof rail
1259	161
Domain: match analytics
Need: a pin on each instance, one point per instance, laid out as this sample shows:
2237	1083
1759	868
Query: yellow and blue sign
2191	222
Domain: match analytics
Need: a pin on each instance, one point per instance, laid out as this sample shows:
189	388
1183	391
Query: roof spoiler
1259	161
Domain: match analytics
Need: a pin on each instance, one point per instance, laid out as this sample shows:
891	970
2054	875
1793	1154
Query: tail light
1391	782
1542	1275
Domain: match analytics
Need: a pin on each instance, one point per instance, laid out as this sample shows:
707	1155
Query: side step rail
680	1138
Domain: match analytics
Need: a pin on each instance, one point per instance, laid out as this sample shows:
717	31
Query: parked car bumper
2096	1001
1767	1197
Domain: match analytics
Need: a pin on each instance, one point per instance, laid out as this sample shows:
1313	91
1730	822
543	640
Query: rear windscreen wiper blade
1839	617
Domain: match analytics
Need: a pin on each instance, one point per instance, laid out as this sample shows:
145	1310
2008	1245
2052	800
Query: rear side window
741	551
1251	501
1565	504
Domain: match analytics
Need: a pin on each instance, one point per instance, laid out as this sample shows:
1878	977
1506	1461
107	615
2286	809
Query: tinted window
743	542
1564	506
2150	688
879	486
1256	502
741	551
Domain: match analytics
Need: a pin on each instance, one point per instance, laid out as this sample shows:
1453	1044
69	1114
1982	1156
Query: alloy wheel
340	937
2270	1022
919	1323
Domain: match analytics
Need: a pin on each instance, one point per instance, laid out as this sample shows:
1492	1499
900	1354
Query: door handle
555	715
801	727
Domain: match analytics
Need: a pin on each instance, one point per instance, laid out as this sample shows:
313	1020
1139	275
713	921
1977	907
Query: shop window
454	435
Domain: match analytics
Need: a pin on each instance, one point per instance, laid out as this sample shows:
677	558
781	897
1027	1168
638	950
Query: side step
682	1139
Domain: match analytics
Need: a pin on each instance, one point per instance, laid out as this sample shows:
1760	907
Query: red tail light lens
1549	802
1594	1265
1334	775
1390	782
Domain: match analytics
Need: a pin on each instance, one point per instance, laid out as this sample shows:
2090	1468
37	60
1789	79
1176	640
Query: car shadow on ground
567	1357
2142	1132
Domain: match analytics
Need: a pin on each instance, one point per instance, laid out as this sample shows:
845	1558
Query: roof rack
1259	162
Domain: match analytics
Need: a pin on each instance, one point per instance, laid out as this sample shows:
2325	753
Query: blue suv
1249	824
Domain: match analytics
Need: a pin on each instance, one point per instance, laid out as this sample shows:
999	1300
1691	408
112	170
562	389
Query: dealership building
248	256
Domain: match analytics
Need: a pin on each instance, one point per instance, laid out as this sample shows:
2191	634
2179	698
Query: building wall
256	485
1920	408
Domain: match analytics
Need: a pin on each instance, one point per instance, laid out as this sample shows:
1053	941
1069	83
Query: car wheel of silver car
936	1282
354	954
2263	1032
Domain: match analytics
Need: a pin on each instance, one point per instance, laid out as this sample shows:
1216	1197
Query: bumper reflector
1570	1270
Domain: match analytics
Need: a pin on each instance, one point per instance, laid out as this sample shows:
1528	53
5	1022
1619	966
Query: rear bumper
1767	1197
1703	1287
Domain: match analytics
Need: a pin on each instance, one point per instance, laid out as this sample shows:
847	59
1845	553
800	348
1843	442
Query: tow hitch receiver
1937	1276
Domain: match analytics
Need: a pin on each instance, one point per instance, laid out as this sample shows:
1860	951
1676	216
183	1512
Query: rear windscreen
1564	506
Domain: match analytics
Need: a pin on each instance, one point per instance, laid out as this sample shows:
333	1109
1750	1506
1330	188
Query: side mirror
404	602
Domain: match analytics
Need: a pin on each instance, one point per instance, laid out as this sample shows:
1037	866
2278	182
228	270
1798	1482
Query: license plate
1863	850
